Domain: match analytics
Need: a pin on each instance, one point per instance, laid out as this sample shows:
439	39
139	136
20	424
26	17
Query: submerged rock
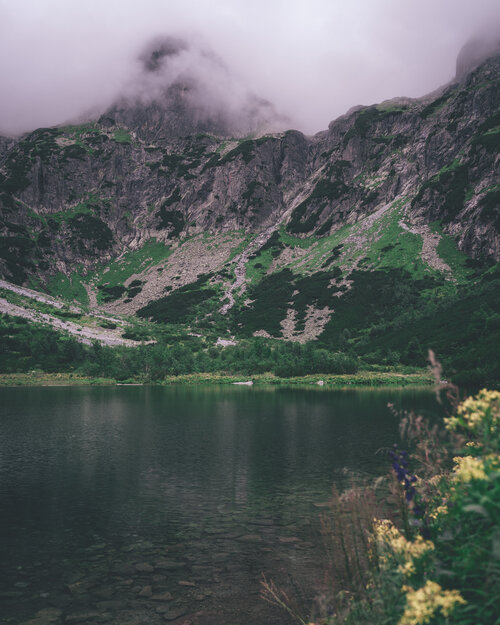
146	592
144	567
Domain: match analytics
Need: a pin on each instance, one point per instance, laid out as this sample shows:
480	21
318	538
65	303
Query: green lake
149	505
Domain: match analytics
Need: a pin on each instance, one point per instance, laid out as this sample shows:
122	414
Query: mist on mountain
62	62
179	87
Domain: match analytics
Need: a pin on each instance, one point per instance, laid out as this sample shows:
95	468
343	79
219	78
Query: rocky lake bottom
139	506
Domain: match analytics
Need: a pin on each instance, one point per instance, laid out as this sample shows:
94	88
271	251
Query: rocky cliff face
83	196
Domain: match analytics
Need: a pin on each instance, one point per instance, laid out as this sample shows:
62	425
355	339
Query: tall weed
422	548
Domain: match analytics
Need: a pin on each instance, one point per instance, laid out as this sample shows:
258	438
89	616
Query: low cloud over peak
179	86
159	50
478	49
313	60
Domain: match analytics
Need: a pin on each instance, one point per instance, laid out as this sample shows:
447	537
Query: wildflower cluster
468	468
479	418
406	479
463	503
438	512
448	571
423	603
392	549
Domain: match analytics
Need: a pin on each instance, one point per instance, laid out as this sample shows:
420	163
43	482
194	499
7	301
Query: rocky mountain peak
158	51
181	88
476	51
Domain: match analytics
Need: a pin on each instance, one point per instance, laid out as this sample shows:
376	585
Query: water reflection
225	478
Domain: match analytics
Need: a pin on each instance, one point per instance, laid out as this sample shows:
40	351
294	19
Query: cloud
313	59
185	88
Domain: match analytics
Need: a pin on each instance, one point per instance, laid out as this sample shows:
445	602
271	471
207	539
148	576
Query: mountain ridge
198	228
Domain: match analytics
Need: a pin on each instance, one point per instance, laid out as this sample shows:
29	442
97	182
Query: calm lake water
141	506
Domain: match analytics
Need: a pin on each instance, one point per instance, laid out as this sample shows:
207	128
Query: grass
69	288
448	251
79	130
370	235
33	304
318	249
65	215
388	247
80	134
118	271
256	268
39	378
396	247
293	241
122	136
90	205
364	379
242	245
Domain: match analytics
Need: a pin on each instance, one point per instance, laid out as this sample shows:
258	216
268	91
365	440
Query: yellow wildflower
385	529
437	512
435	480
468	468
408	568
475	413
393	548
423	603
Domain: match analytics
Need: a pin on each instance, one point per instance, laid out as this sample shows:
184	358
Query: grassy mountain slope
378	237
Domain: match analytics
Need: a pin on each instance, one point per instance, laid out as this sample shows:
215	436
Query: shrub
444	566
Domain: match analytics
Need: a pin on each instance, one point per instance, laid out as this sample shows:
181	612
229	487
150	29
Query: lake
147	505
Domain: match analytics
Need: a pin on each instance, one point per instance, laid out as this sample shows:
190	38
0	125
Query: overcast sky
313	59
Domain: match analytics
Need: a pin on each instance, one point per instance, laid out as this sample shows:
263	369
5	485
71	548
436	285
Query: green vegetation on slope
180	306
388	306
395	306
275	293
463	328
26	347
69	288
110	280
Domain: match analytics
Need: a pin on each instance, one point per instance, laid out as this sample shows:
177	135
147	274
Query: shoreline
365	379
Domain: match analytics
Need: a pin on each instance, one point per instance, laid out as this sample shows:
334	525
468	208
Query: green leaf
473	507
495	545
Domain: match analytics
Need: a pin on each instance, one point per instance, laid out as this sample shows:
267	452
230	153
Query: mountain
379	234
180	89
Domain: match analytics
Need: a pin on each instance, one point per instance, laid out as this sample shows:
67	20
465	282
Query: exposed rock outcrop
81	195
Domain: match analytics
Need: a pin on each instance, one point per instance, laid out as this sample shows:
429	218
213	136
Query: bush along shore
34	354
429	551
366	379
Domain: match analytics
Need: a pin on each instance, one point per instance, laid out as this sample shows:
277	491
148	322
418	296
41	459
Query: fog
62	60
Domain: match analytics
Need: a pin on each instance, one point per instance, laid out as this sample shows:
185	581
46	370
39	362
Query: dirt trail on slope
39	297
81	333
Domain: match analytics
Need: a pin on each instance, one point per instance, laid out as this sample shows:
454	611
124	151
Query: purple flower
400	466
